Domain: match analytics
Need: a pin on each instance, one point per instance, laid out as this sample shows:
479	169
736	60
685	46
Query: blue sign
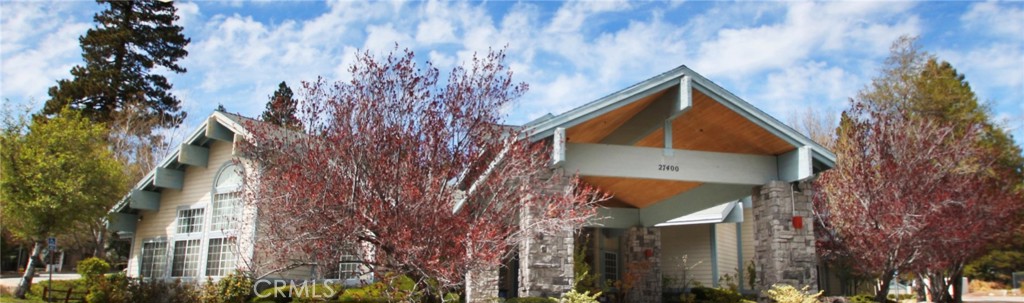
52	243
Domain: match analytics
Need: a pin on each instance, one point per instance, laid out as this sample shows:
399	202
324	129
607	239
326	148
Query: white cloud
39	46
808	28
991	18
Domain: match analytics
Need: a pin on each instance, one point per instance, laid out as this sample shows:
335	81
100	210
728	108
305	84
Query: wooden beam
122	222
615	217
796	165
194	155
683	165
697	199
144	199
216	131
645	122
558	147
169	178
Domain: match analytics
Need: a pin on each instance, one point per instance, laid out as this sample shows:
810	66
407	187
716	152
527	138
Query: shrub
715	295
38	285
92	268
576	297
309	292
866	299
233	288
783	293
984	286
392	288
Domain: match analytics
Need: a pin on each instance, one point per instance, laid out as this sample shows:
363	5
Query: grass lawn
11	299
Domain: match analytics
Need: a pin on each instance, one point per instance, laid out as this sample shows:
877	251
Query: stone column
784	254
482	285
642	249
545	265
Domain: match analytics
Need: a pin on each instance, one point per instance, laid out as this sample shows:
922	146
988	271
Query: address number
672	168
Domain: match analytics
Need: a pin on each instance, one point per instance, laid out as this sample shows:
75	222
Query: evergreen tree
281	108
130	39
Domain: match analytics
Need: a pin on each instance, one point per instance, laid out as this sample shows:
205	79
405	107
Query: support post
783	253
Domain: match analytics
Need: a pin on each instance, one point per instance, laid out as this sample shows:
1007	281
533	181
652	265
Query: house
697	174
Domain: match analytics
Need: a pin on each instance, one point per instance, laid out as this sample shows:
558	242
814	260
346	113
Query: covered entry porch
695	171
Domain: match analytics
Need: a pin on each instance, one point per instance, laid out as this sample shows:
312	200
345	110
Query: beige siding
748	239
692	242
196	192
725	235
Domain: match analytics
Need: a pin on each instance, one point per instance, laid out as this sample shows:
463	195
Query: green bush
715	295
866	299
531	300
233	288
783	293
392	288
578	297
92	267
38	285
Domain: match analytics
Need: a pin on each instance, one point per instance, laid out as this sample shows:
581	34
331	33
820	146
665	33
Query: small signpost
51	244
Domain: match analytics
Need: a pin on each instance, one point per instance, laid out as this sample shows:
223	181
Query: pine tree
130	39
281	108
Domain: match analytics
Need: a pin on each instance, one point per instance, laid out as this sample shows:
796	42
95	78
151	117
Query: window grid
348	268
611	266
186	258
223	210
220	260
190	220
154	259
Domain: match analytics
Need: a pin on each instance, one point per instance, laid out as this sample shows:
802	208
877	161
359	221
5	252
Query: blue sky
783	57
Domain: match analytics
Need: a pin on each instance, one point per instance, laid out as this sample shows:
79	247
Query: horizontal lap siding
196	191
692	241
748	239
727	250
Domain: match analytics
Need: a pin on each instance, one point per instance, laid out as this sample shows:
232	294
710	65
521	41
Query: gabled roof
545	126
201	135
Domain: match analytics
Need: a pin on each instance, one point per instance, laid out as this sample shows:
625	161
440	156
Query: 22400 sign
672	168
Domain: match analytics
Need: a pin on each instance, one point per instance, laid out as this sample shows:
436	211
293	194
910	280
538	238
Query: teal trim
216	131
714	256
122	222
741	268
194	155
144	200
169	178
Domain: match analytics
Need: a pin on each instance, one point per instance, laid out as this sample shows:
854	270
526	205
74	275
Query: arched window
227	189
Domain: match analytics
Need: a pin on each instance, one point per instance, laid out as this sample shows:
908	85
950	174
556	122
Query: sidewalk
43	277
978	297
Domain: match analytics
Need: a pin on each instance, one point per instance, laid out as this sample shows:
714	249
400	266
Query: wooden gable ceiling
710	126
707	126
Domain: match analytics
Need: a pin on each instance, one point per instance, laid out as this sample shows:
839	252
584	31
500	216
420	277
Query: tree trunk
922	291
939	288
30	271
882	286
958	287
99	249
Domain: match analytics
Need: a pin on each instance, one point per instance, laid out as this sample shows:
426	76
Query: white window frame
223	217
199	238
225	263
163	268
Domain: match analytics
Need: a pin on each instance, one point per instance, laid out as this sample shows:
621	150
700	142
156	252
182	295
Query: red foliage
386	157
909	194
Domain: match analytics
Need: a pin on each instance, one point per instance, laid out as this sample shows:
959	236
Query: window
220	260
348	268
154	259
224	207
190	220
186	258
226	197
611	266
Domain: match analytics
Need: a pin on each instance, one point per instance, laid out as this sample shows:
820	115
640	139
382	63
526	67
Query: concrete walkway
42	277
993	298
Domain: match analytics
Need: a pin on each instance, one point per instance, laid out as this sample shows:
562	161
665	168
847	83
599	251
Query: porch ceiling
706	126
652	191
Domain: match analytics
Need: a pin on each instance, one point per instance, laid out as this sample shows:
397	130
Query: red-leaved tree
414	175
909	193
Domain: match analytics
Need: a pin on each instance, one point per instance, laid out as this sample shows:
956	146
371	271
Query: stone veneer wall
545	259
643	259
784	254
482	285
